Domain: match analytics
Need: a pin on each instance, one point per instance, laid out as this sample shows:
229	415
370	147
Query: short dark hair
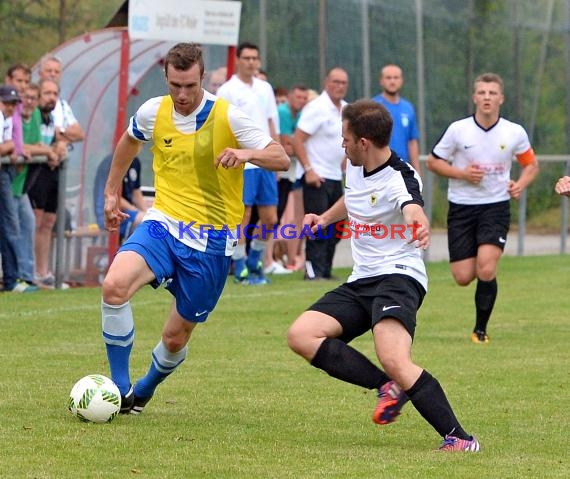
184	56
18	66
489	78
369	119
243	45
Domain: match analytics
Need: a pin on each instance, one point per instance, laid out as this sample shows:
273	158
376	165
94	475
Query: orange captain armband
526	158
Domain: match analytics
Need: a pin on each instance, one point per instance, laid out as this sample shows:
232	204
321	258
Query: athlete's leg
393	345
488	258
168	354
127	274
314	336
464	271
267	223
239	256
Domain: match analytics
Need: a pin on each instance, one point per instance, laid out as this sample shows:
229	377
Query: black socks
428	398
485	296
343	362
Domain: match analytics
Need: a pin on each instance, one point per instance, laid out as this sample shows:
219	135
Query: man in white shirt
67	128
387	228
321	158
476	154
254	97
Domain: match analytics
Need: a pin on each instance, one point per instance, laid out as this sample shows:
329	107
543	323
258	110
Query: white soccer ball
95	398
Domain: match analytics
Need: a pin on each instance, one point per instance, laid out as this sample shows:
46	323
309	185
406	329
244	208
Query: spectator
18	76
289	186
201	143
321	157
404	140
262	74
215	79
9	225
33	146
43	181
281	94
476	154
67	128
256	98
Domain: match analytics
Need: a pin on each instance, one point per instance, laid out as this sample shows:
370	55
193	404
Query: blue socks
163	364
118	335
255	257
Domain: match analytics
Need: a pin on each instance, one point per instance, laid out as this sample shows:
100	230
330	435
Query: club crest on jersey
167	142
373	199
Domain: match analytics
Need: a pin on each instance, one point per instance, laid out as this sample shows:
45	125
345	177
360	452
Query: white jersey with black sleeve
492	149
380	237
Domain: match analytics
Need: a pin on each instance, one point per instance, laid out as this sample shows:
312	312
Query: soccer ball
95	398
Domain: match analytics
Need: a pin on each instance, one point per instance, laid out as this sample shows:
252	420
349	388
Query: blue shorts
127	225
196	279
259	187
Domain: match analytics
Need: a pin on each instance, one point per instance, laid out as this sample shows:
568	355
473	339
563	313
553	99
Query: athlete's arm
272	157
472	174
127	148
562	186
528	173
335	213
417	221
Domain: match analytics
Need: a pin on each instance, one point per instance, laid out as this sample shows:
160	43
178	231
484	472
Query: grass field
244	406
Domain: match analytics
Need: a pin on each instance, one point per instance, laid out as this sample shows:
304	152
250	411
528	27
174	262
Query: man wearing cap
9	226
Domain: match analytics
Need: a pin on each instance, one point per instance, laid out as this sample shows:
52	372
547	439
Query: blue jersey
405	126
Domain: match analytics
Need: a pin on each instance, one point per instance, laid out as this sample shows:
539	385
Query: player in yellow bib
200	146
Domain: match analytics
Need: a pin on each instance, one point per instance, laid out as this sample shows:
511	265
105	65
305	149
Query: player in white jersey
476	154
388	230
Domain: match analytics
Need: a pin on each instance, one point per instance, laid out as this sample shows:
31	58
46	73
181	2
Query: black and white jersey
379	234
466	142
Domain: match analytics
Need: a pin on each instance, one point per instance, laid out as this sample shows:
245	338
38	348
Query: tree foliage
460	40
31	28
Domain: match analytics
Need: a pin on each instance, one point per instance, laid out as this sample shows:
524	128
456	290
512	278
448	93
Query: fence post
60	224
564	217
522	223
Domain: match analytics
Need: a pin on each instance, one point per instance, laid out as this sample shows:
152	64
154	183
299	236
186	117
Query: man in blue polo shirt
404	140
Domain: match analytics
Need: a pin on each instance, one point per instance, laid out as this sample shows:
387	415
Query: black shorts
470	226
284	186
43	193
359	305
